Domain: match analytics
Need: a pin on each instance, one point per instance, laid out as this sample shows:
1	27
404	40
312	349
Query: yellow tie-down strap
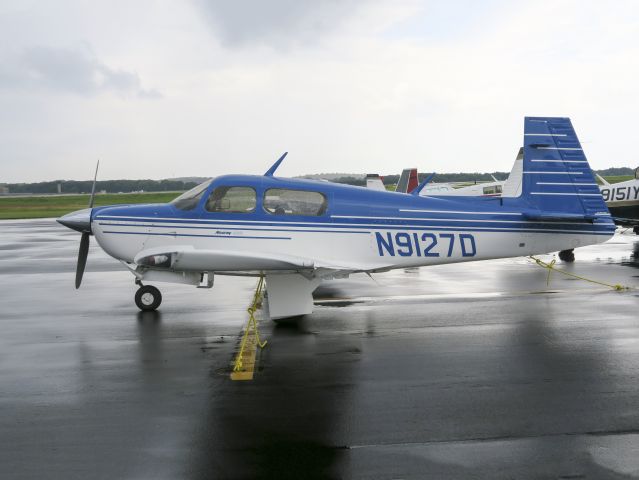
551	268
244	364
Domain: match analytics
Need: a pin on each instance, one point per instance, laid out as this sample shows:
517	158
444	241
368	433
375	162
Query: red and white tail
407	181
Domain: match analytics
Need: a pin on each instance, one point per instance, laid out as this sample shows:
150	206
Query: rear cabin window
232	200
280	201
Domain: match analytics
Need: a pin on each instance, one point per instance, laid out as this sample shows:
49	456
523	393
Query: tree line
468	177
127	186
111	186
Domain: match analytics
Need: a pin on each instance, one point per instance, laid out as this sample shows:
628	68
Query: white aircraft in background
511	187
623	201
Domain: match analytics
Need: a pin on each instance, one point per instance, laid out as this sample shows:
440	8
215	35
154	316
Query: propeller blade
82	258
95	178
80	224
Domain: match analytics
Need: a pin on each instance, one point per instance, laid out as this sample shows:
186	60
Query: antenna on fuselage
421	186
271	171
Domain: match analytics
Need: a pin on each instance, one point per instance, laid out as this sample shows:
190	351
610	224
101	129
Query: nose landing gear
148	298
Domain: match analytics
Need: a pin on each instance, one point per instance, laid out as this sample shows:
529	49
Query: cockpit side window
189	200
280	201
232	200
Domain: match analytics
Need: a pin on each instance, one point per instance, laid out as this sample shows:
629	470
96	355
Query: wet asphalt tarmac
462	371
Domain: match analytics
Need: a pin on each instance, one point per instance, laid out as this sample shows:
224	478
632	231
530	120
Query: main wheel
148	298
567	256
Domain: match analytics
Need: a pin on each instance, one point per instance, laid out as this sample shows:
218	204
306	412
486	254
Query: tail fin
512	185
407	181
375	182
557	180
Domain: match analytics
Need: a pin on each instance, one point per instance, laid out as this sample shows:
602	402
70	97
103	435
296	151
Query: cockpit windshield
189	200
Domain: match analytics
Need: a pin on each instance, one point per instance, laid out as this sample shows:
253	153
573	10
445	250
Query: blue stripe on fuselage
512	229
224	227
377	210
359	224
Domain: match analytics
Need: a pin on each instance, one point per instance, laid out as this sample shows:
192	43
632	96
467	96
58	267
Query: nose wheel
148	298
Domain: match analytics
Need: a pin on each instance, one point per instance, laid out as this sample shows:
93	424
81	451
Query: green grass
56	206
618	178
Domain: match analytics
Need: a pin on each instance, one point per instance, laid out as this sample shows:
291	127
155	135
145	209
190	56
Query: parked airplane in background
297	233
623	201
375	182
408	181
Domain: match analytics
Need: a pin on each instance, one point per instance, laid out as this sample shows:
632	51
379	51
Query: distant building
4	190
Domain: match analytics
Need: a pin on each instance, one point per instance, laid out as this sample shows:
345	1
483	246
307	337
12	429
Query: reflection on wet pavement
461	371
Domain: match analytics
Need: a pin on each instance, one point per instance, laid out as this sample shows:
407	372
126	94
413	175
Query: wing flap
187	258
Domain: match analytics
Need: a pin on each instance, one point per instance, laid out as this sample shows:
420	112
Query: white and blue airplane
297	233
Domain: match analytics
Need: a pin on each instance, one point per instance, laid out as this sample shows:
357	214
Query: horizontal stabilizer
546	216
626	222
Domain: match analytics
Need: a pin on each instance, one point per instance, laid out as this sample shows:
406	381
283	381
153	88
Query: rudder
557	178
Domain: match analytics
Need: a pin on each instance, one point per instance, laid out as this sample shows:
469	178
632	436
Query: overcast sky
171	88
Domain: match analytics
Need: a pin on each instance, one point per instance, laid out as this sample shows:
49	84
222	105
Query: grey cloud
275	23
69	70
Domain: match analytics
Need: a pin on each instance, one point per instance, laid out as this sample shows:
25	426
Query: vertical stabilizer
557	180
375	182
407	181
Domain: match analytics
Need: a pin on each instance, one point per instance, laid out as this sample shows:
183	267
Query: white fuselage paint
329	245
621	194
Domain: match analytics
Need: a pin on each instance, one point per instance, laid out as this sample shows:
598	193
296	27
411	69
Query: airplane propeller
81	222
83	253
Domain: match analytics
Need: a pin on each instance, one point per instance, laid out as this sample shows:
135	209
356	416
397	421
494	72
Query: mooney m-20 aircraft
297	233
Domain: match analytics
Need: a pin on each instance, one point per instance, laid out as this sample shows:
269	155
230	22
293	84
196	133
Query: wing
185	258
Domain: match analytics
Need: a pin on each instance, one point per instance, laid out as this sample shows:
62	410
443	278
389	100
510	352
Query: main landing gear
147	298
567	256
